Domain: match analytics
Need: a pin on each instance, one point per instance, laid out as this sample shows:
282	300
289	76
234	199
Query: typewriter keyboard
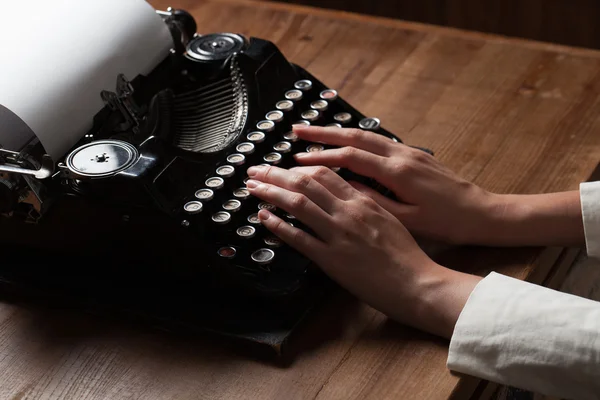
222	207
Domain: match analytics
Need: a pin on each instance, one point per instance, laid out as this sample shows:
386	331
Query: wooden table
512	116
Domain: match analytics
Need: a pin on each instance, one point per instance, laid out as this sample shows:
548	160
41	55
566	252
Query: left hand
361	246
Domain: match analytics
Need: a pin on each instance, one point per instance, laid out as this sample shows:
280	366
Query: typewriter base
263	323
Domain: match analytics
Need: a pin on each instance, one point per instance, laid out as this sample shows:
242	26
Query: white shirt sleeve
523	335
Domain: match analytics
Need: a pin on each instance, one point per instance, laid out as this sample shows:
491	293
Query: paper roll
59	55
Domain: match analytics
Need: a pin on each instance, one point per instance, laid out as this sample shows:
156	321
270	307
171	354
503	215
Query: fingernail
301	155
252	184
252	171
264	215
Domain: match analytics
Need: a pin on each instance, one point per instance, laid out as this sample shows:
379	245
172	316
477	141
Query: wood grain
513	116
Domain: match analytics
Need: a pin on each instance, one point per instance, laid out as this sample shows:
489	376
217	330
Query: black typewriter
148	214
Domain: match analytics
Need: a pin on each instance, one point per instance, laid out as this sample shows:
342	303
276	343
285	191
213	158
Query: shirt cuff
590	209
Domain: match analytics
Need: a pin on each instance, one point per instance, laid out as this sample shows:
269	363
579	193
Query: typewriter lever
11	162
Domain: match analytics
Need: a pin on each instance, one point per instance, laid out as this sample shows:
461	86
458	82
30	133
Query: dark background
569	22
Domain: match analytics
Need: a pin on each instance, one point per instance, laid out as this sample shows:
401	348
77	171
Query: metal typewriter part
158	183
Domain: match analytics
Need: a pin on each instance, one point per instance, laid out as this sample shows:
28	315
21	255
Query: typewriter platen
149	214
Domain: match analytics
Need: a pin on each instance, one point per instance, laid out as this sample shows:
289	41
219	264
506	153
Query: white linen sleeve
590	208
530	337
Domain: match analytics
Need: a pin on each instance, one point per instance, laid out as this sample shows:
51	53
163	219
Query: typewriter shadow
65	329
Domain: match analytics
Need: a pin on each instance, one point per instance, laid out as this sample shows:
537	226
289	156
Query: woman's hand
436	203
361	246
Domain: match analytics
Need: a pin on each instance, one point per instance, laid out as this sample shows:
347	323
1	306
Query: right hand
433	201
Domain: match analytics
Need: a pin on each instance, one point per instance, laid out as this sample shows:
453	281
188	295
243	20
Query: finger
295	182
356	160
297	204
298	239
404	212
329	179
360	139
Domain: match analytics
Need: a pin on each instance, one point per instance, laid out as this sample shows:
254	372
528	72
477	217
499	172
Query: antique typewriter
148	215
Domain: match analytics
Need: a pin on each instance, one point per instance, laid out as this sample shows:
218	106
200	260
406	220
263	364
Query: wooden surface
512	116
569	22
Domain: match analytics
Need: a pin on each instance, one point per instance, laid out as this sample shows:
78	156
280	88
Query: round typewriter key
369	124
290	136
302	122
310	115
303	85
215	183
329	94
335	124
320	105
343	117
273	158
205	194
275	116
193	207
266	126
263	256
285	105
232	205
273	241
241	193
221	217
315	147
226	171
289	216
253	219
266	206
294	95
283	147
246	232
336	169
263	165
256	137
245	148
227	252
236	159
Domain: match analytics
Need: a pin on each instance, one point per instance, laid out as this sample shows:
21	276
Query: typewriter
148	214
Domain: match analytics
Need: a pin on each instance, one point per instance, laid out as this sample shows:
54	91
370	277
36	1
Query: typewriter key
294	95
236	159
226	171
232	205
329	94
320	105
246	232
289	216
343	117
275	116
263	256
285	105
336	169
315	147
283	147
221	217
273	158
290	136
267	206
310	115
303	85
266	126
241	193
215	183
193	207
245	148
205	194
256	137
227	252
302	122
335	124
370	124
273	241
253	219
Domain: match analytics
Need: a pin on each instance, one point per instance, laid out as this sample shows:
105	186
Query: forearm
535	220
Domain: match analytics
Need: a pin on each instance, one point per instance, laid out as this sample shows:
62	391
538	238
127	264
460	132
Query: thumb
404	212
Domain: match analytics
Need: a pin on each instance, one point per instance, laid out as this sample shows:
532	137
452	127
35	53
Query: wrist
534	220
442	295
